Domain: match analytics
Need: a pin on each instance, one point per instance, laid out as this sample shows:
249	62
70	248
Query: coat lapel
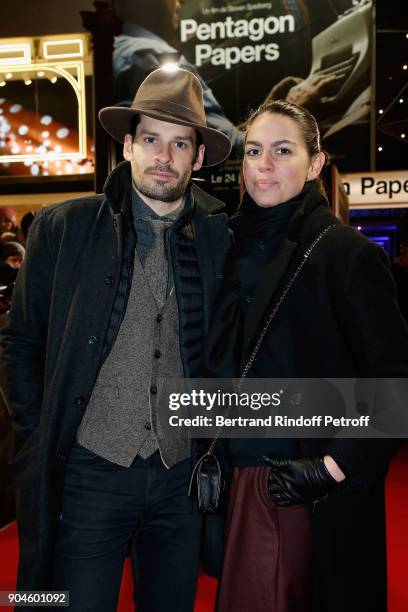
267	285
212	243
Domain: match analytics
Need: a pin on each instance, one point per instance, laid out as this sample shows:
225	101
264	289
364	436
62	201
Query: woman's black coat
339	319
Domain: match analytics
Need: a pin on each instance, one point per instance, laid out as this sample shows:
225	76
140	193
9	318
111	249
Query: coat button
148	426
159	318
153	390
79	401
157	354
62	457
92	340
108	280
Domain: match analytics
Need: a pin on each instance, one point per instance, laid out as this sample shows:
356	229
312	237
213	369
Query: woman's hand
300	481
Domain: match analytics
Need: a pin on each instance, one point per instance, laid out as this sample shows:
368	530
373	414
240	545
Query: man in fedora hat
115	294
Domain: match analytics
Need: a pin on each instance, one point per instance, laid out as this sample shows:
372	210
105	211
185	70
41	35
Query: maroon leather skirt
268	550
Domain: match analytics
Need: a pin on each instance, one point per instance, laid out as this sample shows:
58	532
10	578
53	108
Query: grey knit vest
120	420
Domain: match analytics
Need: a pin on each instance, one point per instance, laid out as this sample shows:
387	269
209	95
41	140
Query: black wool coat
339	319
68	303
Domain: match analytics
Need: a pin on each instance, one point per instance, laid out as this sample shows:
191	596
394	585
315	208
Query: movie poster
317	54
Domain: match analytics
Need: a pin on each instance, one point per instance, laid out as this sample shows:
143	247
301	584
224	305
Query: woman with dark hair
304	297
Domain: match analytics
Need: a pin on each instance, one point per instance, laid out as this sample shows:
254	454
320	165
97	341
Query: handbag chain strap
269	320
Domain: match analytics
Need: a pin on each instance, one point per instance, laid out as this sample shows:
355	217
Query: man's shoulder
84	205
70	225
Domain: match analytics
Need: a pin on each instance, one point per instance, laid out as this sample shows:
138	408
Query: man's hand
300	481
309	91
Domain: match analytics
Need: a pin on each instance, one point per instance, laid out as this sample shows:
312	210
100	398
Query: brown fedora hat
175	97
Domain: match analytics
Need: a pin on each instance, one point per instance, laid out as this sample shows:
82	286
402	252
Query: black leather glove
299	481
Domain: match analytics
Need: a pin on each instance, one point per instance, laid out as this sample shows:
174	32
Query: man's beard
160	190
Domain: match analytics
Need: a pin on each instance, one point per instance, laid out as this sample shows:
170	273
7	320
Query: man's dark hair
133	125
199	140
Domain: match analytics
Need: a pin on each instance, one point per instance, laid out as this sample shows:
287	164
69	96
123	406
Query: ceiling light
53	49
46	120
15	54
170	67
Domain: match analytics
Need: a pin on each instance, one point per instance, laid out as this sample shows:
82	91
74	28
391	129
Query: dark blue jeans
109	511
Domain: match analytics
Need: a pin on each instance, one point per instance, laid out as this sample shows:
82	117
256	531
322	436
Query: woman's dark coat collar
312	200
305	202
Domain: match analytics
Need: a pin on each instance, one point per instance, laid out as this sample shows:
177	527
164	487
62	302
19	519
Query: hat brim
116	120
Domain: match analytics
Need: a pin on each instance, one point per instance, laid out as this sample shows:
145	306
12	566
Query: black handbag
208	482
209	486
